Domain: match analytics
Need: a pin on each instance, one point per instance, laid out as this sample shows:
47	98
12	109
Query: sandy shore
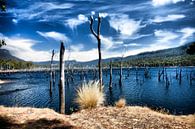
128	117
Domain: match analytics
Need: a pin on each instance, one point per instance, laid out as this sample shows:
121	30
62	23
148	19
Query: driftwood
97	35
61	84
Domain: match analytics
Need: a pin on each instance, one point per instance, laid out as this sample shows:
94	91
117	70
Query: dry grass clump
89	95
121	103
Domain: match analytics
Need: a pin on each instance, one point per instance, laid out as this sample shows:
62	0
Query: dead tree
97	35
121	73
110	84
136	74
61	84
180	76
51	72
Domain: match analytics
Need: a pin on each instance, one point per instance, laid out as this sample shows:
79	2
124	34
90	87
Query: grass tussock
89	96
121	103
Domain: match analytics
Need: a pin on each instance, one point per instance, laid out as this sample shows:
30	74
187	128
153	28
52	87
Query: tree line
183	60
14	64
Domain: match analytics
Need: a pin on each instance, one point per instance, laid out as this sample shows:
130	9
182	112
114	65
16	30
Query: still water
32	89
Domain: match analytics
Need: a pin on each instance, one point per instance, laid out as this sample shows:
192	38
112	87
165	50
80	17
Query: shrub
89	95
121	103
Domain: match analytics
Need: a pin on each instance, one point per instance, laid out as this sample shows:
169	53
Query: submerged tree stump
51	73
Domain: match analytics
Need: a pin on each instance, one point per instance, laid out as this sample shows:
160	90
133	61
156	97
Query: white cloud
77	48
22	48
124	25
15	21
103	15
131	45
92	13
172	17
38	10
74	22
165	36
107	42
54	35
157	3
187	33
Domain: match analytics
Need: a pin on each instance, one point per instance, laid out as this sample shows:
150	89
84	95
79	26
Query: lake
32	89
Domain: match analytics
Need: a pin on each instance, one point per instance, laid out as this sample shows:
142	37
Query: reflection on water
32	89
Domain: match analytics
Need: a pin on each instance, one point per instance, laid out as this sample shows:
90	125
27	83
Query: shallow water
32	89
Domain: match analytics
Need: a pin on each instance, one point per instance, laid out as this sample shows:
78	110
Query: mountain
5	55
171	52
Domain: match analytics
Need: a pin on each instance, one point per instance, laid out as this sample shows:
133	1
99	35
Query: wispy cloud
157	3
54	35
74	22
107	42
77	48
124	25
22	48
37	10
171	17
165	36
186	33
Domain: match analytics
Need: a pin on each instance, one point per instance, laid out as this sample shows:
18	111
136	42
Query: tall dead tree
121	73
97	35
61	82
51	72
110	84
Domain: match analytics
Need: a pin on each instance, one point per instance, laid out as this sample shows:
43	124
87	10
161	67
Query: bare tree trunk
97	35
180	76
51	73
110	84
61	85
121	73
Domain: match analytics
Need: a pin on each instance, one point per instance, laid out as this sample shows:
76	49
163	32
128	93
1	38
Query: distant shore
75	68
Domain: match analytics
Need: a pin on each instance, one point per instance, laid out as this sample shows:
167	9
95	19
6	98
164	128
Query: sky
33	28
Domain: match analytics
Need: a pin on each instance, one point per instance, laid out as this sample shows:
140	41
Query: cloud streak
172	17
54	35
157	3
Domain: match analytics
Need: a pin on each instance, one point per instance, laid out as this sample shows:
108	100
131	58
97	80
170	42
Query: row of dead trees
62	76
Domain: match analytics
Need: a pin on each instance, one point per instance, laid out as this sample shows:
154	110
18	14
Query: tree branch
91	27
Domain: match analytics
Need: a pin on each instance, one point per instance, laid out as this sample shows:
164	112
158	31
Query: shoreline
47	69
102	117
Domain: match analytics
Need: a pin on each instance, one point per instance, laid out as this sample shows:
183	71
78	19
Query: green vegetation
3	5
191	49
183	60
13	64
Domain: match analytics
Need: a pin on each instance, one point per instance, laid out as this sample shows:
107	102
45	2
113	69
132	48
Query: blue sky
32	28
